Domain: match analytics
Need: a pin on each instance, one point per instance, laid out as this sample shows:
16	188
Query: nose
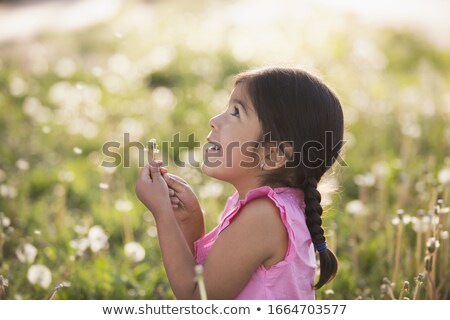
213	122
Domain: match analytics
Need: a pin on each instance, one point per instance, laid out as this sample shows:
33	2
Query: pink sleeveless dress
293	277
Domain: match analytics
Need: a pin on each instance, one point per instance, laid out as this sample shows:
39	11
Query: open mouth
213	147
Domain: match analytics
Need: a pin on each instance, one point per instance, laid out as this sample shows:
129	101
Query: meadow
71	228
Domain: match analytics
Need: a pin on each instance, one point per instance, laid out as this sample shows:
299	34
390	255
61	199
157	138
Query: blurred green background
77	74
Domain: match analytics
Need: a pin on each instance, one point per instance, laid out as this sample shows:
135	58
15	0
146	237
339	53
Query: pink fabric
289	279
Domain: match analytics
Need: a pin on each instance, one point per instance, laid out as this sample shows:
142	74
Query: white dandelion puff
80	245
40	275
26	253
66	175
77	150
123	205
22	164
4	221
210	190
152	231
97	238
46	129
134	251
103	186
444	176
356	208
365	180
8	191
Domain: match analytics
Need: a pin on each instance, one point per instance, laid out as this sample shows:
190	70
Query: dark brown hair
296	107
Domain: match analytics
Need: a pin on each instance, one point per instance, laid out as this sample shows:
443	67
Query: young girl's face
233	134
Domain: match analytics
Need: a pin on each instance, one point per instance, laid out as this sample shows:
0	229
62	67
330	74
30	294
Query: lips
213	146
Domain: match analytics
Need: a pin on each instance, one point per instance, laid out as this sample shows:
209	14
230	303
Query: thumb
155	170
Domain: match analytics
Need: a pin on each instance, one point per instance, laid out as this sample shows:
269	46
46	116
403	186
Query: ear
276	155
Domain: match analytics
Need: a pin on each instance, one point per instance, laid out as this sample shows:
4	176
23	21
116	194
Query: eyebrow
242	104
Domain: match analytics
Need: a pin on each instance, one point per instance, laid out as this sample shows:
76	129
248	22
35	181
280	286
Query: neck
245	185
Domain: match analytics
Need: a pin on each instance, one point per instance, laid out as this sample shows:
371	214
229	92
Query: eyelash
236	112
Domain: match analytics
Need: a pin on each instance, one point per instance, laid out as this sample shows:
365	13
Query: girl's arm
255	236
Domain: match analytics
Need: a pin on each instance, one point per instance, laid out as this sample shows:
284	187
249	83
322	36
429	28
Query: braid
313	212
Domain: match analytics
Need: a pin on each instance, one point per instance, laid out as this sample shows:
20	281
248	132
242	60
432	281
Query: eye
235	112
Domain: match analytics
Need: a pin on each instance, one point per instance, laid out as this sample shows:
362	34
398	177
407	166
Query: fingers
174	183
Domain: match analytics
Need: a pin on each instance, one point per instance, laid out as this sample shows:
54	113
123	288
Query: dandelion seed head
380	169
108	170
406	219
152	231
365	180
406	285
134	251
65	67
80	245
432	244
26	253
444	176
148	217
420	278
22	164
46	129
97	71
8	191
4	221
40	275
66	176
77	150
210	190
17	86
98	239
37	232
329	292
356	208
123	205
103	186
422	224
444	235
79	86
198	270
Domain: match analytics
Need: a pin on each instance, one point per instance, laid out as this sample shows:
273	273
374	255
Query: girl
272	143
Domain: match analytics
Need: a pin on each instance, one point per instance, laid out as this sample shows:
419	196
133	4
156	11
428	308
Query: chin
217	173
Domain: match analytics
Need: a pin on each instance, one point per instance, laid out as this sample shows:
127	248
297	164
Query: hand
184	201
152	190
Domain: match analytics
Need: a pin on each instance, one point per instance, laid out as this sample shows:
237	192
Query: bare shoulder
262	217
256	236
